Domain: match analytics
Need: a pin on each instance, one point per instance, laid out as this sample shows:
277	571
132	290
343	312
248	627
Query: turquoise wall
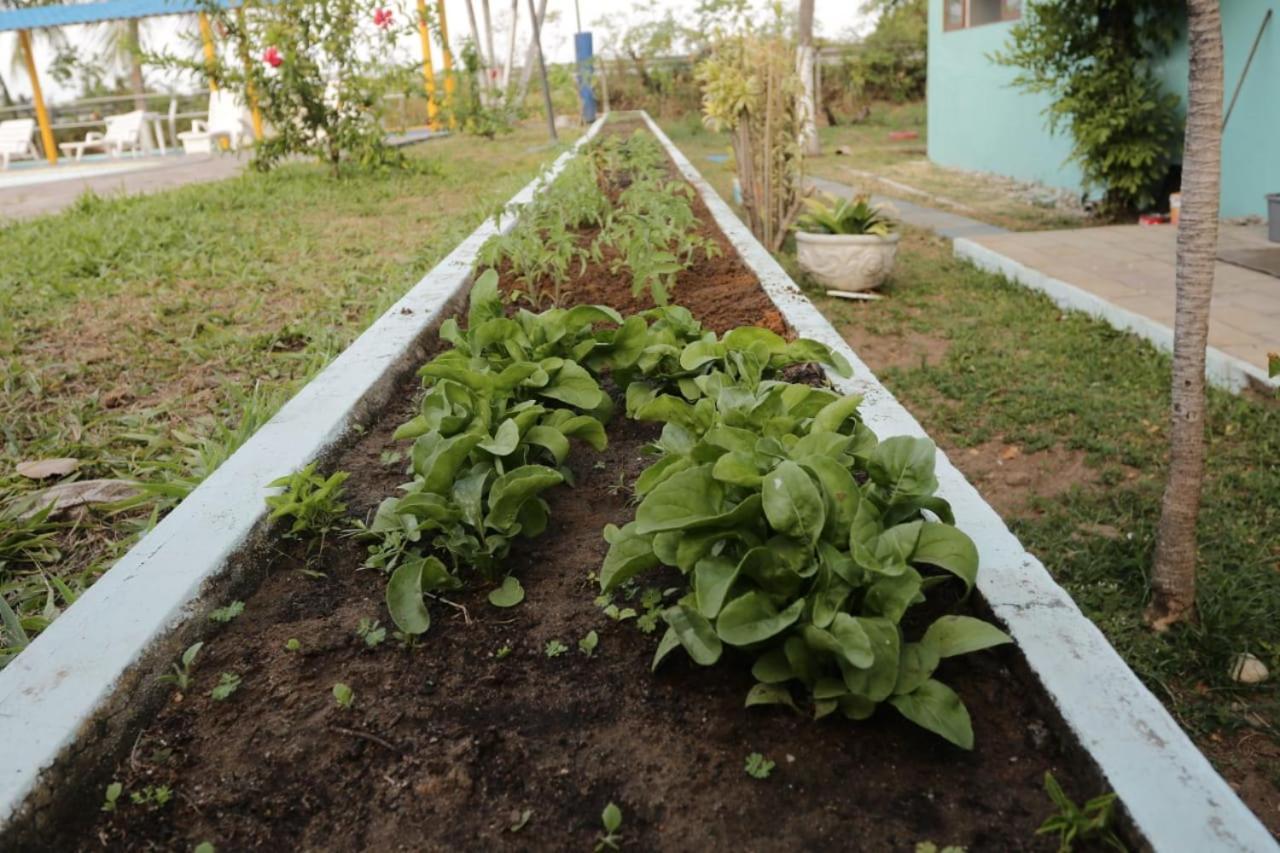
978	121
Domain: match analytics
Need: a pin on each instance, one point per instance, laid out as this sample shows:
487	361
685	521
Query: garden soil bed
456	745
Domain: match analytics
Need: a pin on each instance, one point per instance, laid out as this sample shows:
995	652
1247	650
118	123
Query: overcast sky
834	18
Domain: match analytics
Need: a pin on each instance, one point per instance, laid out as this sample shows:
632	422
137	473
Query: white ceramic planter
850	262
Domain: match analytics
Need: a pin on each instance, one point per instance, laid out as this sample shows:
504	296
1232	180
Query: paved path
36	199
1123	274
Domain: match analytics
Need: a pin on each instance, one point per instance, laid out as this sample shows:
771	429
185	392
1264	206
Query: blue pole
583	53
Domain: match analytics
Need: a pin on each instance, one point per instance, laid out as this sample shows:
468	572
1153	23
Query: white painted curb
1225	371
52	692
1174	796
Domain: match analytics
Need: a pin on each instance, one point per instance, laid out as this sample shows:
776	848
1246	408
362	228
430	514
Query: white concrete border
50	694
1174	796
1225	371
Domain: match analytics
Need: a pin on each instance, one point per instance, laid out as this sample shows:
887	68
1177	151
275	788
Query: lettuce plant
804	540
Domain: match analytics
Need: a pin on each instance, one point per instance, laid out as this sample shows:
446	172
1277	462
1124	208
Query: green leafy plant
343	695
226	614
611	820
181	675
509	594
1072	824
554	648
758	767
803	539
112	798
313	502
588	644
152	796
372	632
832	215
1097	61
228	683
292	644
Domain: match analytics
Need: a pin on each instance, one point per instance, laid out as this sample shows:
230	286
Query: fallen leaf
1010	452
1106	531
42	469
65	496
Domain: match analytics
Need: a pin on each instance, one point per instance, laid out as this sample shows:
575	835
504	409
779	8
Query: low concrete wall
1171	791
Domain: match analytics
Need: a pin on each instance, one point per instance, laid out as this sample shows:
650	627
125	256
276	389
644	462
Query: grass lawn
1061	422
148	336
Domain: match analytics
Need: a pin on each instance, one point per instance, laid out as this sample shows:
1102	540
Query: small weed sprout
1071	823
555	648
371	632
114	790
313	502
205	847
223	615
292	644
343	695
228	683
502	652
154	797
759	767
181	675
587	645
611	819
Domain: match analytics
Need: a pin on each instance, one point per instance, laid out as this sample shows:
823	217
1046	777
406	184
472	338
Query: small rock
42	469
1247	669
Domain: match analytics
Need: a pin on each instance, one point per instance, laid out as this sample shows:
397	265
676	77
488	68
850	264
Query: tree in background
1095	59
1173	576
806	67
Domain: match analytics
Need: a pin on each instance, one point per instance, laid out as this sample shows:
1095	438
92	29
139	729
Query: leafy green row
651	230
803	539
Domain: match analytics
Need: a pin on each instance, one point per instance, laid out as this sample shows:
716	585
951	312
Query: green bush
1095	59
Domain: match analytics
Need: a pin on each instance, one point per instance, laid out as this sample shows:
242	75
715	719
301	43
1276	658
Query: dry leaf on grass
42	469
65	496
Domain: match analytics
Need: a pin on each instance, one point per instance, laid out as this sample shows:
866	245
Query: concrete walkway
1124	275
25	199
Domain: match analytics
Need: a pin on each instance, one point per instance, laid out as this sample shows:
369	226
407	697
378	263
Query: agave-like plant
832	215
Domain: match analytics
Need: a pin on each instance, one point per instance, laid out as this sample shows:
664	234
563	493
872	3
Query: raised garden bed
487	735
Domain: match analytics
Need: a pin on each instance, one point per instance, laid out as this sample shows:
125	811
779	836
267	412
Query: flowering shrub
323	73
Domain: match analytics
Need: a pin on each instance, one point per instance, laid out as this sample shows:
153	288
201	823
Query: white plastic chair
124	132
228	120
16	143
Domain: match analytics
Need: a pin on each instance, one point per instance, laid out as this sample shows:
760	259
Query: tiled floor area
1132	266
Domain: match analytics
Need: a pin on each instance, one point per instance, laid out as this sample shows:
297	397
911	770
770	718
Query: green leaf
509	594
947	548
752	618
513	488
846	638
877	682
936	707
739	468
629	554
841	493
611	817
712	578
437	459
586	428
550	438
504	441
682	500
772	667
694	633
792	503
891	596
404	598
833	415
573	385
486	302
904	466
959	635
669	642
770	694
916	665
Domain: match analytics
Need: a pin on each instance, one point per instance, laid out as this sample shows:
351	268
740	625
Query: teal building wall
979	121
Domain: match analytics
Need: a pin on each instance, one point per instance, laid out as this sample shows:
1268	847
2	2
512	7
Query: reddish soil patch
1250	761
1010	479
908	351
447	746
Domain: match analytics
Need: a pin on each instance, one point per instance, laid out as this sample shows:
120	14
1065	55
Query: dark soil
479	740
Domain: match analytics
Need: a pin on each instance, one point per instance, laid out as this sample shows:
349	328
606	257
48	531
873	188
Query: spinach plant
803	540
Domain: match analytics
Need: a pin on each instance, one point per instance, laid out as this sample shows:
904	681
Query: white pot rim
856	239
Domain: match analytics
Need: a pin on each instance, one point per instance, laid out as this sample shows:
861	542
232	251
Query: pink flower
272	57
383	18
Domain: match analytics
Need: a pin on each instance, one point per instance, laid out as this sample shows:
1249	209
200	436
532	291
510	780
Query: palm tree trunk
1173	576
806	60
136	82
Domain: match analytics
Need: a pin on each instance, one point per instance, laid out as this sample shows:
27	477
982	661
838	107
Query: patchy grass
1072	416
149	336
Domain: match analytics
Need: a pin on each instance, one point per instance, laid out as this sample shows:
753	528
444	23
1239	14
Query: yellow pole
210	56
37	98
449	82
249	94
428	72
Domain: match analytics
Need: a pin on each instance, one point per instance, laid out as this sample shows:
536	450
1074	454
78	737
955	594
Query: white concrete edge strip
1220	369
1175	797
52	690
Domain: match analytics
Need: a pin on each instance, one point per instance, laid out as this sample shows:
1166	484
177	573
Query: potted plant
846	244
